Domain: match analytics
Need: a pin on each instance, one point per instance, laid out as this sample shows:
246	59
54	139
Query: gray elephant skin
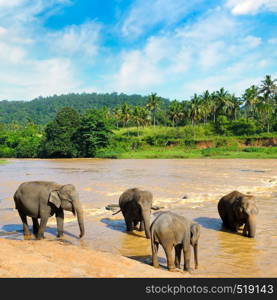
237	209
43	199
135	205
174	231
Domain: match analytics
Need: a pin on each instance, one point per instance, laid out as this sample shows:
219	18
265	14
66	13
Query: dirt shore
57	259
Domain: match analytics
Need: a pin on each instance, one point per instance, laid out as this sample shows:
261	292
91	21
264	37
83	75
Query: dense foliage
90	125
43	109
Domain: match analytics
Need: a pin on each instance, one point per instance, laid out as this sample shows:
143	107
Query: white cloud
212	55
9	54
252	41
82	39
136	72
243	7
34	62
214	51
144	14
38	77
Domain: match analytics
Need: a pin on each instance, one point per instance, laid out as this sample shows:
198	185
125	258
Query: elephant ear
55	199
194	233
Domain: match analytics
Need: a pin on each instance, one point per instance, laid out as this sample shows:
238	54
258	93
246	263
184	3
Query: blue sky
174	48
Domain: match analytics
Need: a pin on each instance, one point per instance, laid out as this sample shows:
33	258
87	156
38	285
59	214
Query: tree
206	105
195	110
139	116
57	141
92	134
224	102
153	104
175	112
250	98
126	113
267	89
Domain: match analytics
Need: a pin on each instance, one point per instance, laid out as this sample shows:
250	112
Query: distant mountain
43	109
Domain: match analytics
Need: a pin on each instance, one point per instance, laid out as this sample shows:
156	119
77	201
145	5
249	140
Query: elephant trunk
80	216
146	220
195	249
251	226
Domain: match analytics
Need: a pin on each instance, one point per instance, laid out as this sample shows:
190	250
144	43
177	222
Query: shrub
243	127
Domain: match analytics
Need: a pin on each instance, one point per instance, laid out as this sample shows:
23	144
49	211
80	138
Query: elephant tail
116	212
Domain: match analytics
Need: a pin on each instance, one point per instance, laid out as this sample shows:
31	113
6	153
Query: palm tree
117	115
250	98
206	103
195	111
175	112
235	107
126	114
224	102
138	117
213	105
153	105
268	89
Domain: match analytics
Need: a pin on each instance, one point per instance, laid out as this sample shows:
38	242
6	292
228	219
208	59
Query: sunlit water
188	187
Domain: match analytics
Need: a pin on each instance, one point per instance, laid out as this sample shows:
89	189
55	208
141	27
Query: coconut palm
268	91
250	98
153	105
195	110
206	103
224	102
117	115
126	114
175	112
138	116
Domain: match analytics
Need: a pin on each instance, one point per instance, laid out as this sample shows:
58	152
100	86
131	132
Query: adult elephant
135	206
174	231
237	209
43	199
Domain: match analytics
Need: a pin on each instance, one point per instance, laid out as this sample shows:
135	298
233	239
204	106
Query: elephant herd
43	199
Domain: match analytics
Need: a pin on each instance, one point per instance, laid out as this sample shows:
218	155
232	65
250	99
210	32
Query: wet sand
100	182
21	259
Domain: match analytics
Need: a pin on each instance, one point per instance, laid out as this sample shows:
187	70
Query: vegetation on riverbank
216	124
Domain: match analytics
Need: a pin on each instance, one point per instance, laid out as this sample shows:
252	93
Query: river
189	187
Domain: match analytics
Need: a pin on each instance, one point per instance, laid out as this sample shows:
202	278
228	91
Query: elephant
172	230
135	206
43	199
237	209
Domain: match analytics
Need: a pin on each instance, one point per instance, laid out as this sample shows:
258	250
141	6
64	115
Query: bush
222	126
6	151
243	127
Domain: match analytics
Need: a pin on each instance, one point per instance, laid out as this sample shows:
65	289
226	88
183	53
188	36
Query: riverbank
187	142
50	258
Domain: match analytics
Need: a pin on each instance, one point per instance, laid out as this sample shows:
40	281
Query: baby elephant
43	199
171	230
135	206
237	209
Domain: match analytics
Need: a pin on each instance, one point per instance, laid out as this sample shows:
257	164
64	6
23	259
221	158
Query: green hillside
43	109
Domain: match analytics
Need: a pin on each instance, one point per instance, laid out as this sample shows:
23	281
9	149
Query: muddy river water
201	181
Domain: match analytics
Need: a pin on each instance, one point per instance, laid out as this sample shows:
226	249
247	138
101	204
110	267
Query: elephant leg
26	230
128	221
135	223
187	254
42	226
60	221
35	226
155	247
178	249
245	230
170	263
141	226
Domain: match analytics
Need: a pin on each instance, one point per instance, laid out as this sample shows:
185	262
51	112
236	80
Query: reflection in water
191	188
